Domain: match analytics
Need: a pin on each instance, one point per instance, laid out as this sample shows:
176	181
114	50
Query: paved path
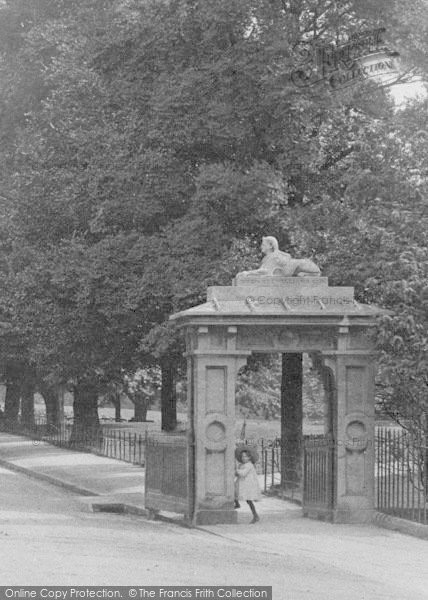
301	558
46	539
81	472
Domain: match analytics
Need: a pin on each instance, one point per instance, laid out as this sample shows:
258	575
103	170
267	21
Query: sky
407	91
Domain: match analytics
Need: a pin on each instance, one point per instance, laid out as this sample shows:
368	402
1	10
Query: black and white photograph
214	299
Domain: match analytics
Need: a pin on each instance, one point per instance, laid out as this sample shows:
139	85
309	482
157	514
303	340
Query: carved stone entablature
285	339
290	337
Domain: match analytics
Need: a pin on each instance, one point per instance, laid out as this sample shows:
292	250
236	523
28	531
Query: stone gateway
221	334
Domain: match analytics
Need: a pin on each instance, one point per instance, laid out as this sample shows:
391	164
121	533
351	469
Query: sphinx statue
278	263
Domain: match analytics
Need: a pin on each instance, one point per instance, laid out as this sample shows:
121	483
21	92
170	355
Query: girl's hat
250	450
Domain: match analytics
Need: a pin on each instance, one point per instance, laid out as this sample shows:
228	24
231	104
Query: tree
159	141
258	388
140	388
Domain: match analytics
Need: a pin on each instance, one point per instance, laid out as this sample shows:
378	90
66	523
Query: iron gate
167	484
318	476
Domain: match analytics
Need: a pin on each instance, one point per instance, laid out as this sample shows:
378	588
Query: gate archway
286	315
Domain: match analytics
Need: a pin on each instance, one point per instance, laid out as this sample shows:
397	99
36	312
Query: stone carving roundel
215	431
355	429
356	433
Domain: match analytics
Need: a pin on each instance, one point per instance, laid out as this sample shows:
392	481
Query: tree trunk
117	411
328	383
141	405
60	403
115	400
11	402
86	431
291	419
51	396
27	401
168	396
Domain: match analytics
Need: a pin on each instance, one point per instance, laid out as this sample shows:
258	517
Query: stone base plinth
320	514
216	517
281	281
340	516
354	516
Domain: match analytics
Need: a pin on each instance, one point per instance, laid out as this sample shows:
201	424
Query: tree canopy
146	147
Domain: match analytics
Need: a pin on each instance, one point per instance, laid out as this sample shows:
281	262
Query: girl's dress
248	487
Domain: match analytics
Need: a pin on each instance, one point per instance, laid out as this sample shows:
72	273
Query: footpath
393	560
102	483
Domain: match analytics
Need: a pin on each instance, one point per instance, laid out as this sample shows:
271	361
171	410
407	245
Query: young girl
247	483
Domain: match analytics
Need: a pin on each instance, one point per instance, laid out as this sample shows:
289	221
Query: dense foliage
258	389
145	147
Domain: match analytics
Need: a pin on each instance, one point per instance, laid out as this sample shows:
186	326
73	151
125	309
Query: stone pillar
213	364
291	420
353	430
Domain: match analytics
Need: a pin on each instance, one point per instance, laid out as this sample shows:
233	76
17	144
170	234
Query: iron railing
167	483
269	463
103	440
401	467
401	474
269	469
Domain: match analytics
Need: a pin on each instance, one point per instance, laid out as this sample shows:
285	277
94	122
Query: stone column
213	364
291	420
353	430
